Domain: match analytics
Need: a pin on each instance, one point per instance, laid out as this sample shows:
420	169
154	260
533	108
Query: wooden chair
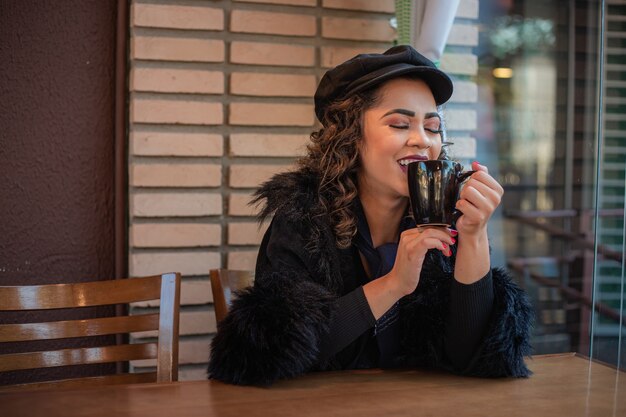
165	288
223	283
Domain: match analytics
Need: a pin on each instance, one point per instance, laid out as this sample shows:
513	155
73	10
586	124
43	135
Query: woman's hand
402	280
479	198
412	248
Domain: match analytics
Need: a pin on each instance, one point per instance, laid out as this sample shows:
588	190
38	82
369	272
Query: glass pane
608	342
538	132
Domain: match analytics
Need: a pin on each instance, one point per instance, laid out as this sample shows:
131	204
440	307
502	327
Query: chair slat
143	377
41	297
78	328
79	356
167	360
165	288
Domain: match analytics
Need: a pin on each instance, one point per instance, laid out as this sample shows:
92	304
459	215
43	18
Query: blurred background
133	132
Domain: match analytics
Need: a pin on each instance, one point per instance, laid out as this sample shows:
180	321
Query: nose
419	138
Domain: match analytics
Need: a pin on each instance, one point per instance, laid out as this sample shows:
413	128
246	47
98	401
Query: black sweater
307	293
353	321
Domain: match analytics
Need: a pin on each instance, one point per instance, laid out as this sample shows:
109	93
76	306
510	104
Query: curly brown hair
333	154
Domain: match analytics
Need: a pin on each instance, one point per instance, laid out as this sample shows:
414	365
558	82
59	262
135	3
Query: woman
344	279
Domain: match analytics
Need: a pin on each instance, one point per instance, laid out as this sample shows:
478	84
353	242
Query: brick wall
220	100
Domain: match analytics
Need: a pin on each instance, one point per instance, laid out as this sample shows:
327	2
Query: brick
463	35
462	64
238	205
242	260
468	9
310	3
259	144
177	49
194	374
383	6
175	235
249	233
176	112
149	143
457	119
187	263
270	114
170	80
176	204
177	17
462	148
357	29
197	322
259	53
176	175
194	351
143	365
277	85
464	92
195	292
251	176
335	55
288	24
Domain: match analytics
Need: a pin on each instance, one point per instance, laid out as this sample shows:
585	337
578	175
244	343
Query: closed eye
399	126
436	131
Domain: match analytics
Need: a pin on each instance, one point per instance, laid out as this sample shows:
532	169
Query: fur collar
293	196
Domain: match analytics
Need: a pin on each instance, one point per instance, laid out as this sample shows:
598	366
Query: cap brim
438	82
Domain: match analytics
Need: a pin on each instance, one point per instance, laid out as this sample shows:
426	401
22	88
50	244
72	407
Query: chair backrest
165	288
223	283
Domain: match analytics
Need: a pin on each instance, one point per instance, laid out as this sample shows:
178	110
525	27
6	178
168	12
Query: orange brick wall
220	100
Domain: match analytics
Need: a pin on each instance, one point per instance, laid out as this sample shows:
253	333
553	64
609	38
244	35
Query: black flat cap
368	70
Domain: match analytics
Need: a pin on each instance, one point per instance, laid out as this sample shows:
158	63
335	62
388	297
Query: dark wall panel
57	92
56	140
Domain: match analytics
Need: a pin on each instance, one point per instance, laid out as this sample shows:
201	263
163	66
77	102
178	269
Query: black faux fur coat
275	329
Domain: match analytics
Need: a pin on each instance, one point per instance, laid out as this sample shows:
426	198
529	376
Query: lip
411	158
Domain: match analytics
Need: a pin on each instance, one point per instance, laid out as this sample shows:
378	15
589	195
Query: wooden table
563	385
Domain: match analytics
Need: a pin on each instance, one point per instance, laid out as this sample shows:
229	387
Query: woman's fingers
441	233
480	196
488	180
419	241
412	248
471	213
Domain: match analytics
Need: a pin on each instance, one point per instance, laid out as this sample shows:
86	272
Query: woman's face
404	126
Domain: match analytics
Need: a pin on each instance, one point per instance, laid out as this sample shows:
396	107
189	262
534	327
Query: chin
402	192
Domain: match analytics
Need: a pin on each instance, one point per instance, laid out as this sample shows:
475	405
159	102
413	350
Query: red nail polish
453	241
453	232
445	246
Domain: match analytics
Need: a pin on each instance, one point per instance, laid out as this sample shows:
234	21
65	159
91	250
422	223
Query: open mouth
404	162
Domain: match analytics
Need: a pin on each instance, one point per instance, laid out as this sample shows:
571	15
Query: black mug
434	190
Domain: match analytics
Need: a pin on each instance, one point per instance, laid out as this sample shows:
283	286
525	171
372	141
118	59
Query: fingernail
453	232
453	241
445	246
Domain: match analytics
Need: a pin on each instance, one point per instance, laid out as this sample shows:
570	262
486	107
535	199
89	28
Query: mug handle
461	177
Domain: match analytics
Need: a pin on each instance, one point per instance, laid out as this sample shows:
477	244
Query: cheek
435	149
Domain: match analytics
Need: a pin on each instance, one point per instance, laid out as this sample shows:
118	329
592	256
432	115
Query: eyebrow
410	113
430	115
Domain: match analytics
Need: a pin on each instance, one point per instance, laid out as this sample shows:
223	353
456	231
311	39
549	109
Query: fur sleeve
508	338
506	341
272	332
